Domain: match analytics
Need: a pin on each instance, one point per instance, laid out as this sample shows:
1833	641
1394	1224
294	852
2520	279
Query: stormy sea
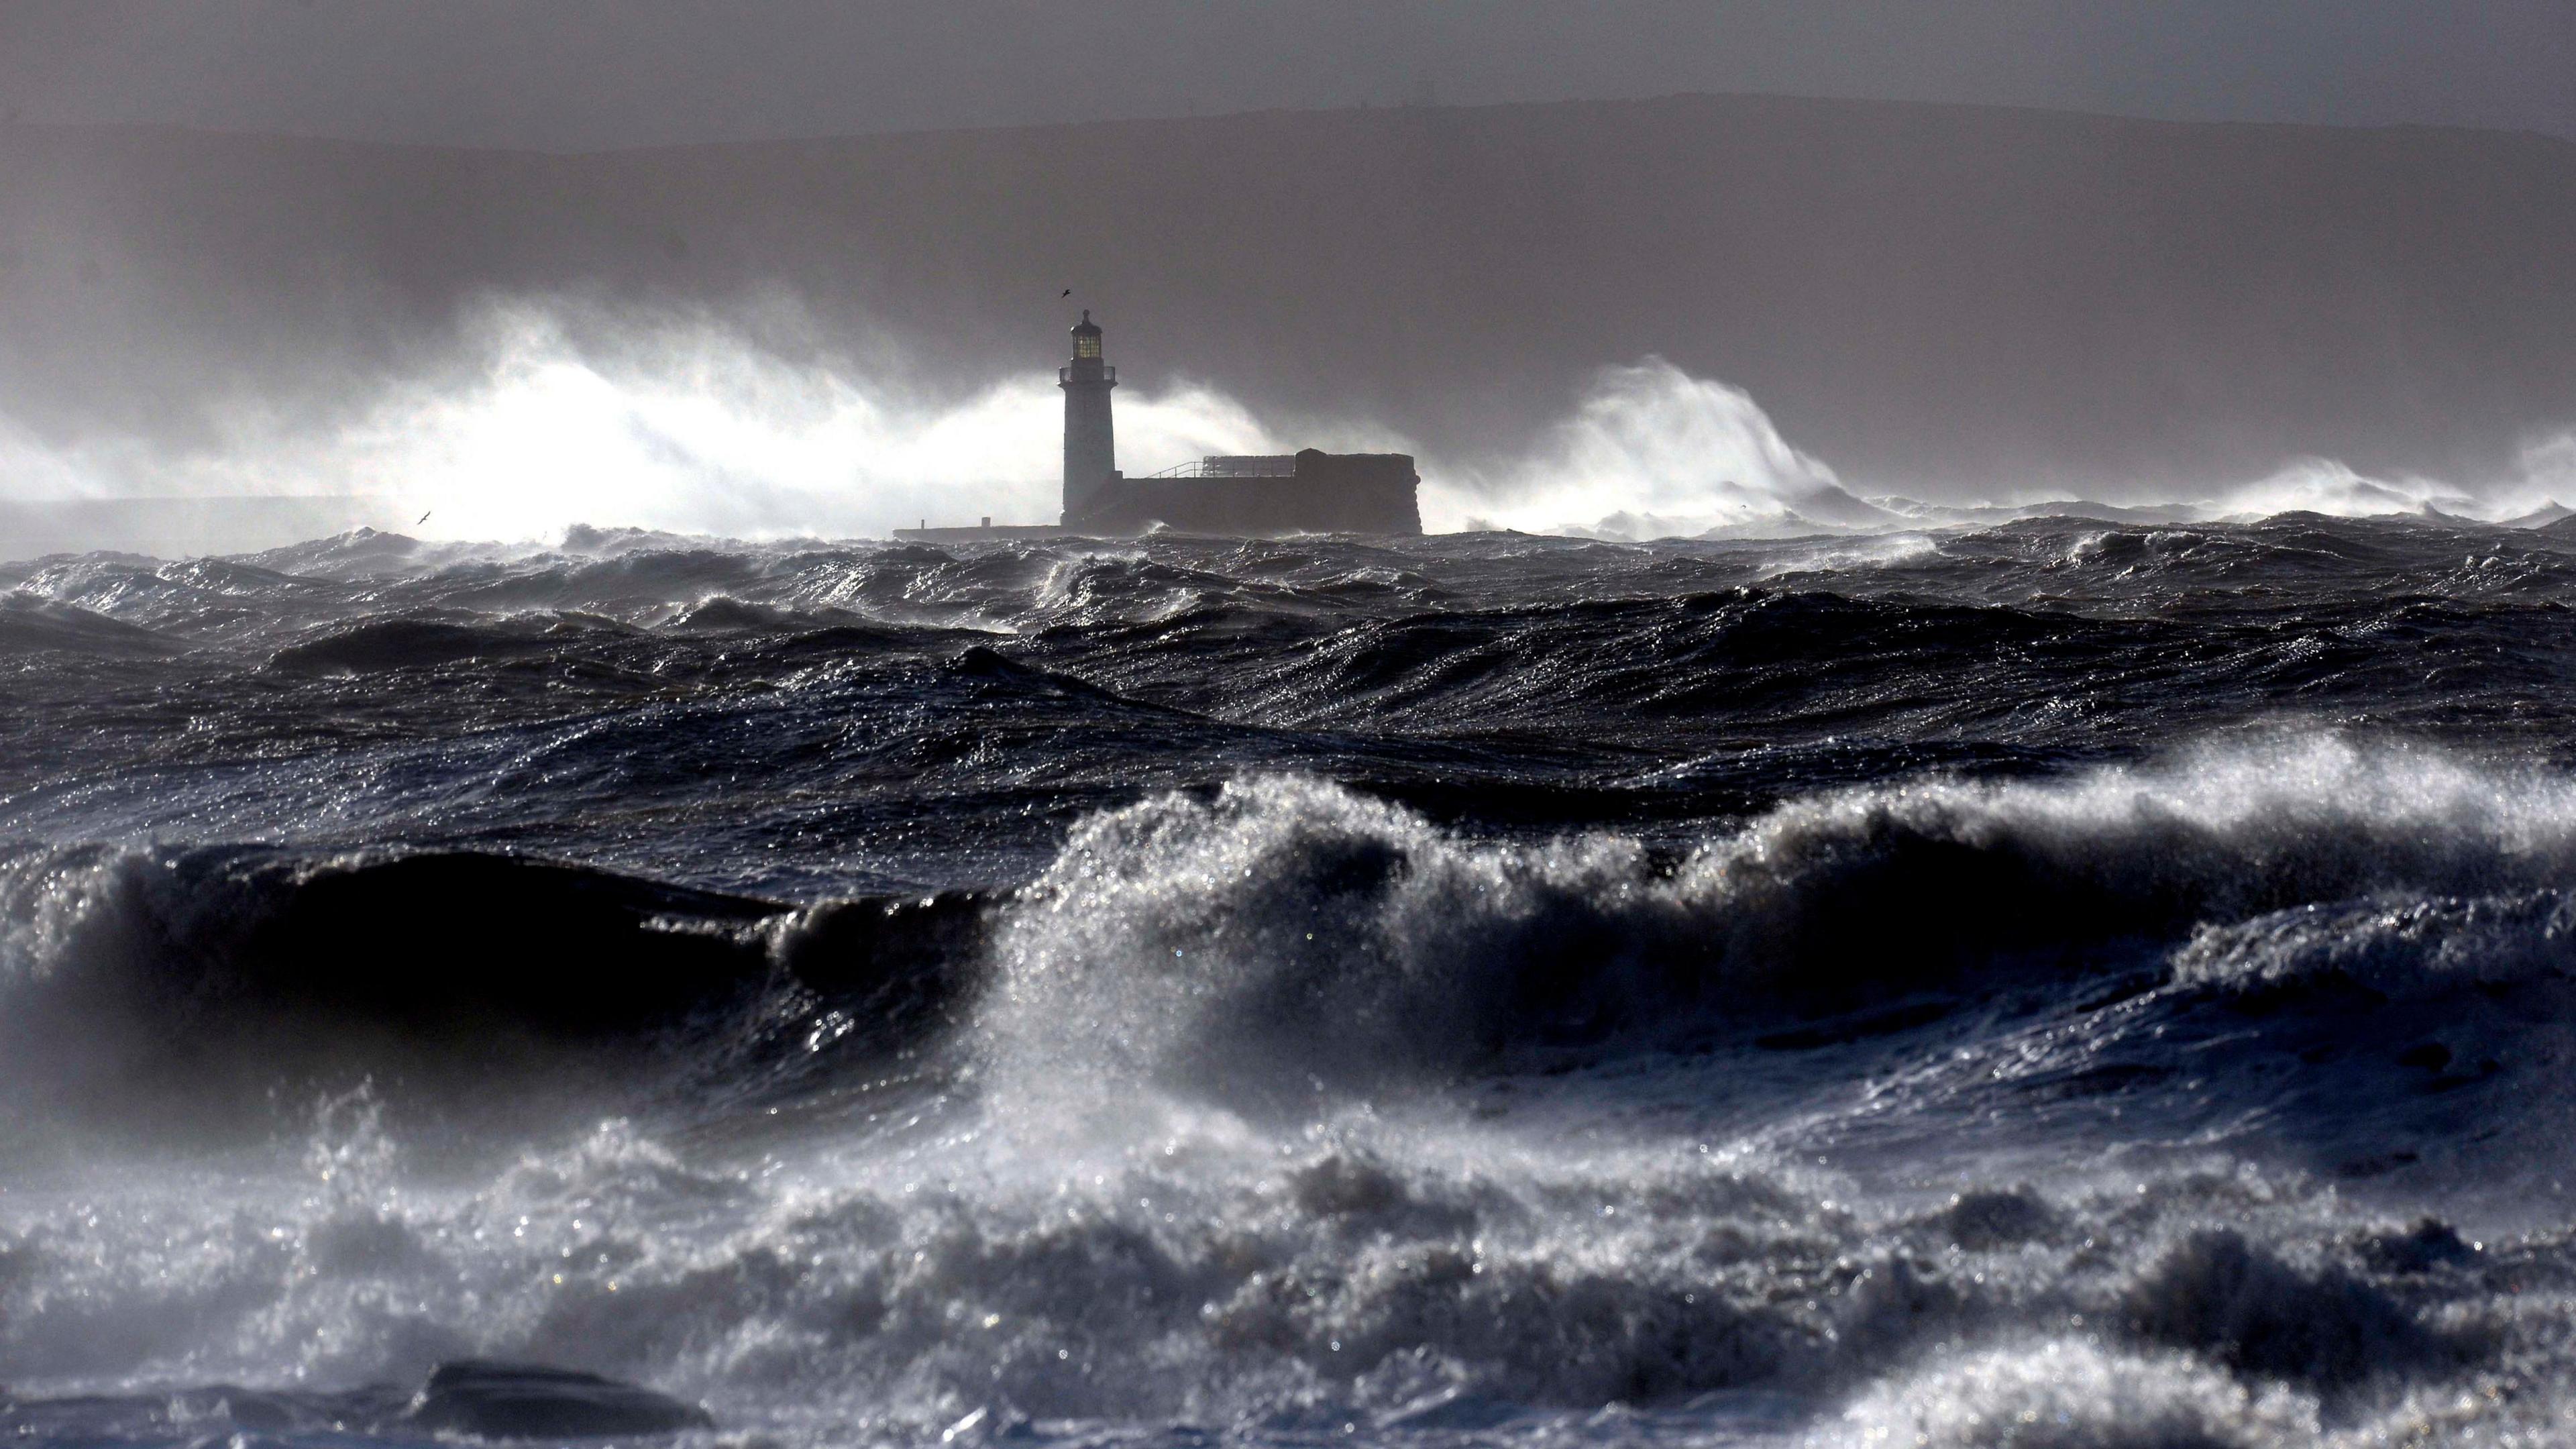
2067	981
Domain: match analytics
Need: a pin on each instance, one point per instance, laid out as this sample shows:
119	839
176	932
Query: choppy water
2061	984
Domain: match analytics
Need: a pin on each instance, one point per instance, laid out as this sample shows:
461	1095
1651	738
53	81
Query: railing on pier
1234	465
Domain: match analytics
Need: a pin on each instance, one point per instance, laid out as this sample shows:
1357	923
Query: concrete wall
1329	493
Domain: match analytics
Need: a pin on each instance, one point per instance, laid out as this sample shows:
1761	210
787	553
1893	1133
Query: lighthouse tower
1090	443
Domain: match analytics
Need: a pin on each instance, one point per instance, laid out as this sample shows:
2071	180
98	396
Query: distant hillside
1927	297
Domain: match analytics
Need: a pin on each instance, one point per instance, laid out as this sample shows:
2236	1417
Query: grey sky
584	74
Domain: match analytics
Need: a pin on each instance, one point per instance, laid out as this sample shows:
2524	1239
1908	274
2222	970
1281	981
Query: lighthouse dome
1086	336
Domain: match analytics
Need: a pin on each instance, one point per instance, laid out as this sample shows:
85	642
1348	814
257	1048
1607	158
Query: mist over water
552	415
687	424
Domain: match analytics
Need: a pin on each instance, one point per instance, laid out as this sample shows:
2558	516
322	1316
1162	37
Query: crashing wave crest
1289	932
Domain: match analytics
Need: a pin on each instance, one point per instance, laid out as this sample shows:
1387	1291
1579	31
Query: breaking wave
1286	932
200	987
1283	936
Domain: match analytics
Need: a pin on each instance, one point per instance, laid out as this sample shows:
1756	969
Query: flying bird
1067	293
424	518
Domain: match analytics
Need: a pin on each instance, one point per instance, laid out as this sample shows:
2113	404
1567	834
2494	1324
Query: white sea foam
2076	1395
1394	1271
1244	1187
1289	935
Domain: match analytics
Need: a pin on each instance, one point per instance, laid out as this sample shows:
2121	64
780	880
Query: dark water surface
2061	984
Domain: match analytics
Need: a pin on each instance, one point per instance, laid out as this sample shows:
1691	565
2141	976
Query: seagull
1067	293
424	518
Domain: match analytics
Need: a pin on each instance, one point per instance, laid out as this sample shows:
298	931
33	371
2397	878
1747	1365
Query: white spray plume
33	470
686	426
1653	452
2548	473
2325	485
2544	474
689	424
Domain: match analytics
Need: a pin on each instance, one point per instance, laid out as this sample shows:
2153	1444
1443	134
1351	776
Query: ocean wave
1283	1285
1286	933
2062	1395
2405	949
29	623
381	644
2073	980
216	983
1283	936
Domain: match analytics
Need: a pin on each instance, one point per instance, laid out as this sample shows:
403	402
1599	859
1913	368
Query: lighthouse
1266	495
1090	442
